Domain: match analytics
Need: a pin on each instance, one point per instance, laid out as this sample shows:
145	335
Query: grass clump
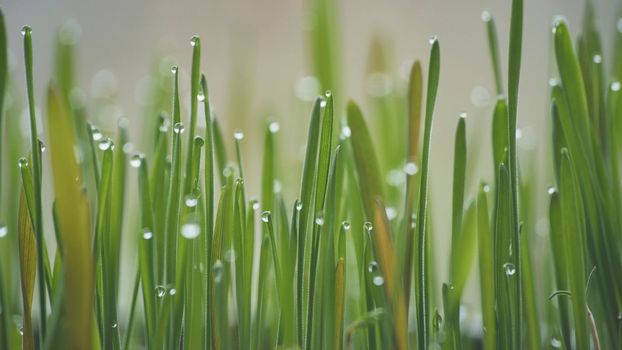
349	262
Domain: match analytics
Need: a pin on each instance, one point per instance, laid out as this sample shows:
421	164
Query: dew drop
323	103
486	188
432	40
372	267
105	144
378	280
136	160
367	226
346	132
174	69
230	256
195	40
97	135
307	88
238	134
551	190
201	96
218	271
172	292
255	205
615	86
346	225
462	115
3	229
519	134
41	146
411	168
190	230
22	162
26	30
553	82
598	59
391	213
274	127
128	147
486	16
556	343
265	216
160	291
319	219
147	234
509	268
178	128
298	205
114	324
191	200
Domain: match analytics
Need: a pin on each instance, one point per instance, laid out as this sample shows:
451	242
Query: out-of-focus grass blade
340	284
573	231
3	84
385	253
422	269
493	46
415	91
370	181
28	269
324	43
74	223
369	319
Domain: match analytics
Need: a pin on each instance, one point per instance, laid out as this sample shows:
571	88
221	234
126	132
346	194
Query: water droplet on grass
346	225
172	292
22	162
556	343
598	59
391	213
238	135
26	30
174	69
368	227
411	168
178	128
201	96
298	205
218	271
147	234
195	40
319	219
41	146
615	86
372	267
105	144
346	132
274	127
265	216
378	280
4	230
136	160
190	230
486	16
191	200
551	190
160	291
509	268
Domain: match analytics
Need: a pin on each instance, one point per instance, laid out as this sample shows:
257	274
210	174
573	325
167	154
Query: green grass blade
415	91
573	228
560	264
36	163
194	100
28	269
423	333
486	269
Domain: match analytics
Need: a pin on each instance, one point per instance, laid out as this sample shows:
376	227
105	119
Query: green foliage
338	266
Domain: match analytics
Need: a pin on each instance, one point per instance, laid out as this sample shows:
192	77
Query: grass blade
28	269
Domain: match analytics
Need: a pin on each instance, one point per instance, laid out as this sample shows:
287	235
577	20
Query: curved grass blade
493	47
73	220
422	268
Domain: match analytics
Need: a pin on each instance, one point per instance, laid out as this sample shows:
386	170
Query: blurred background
257	58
